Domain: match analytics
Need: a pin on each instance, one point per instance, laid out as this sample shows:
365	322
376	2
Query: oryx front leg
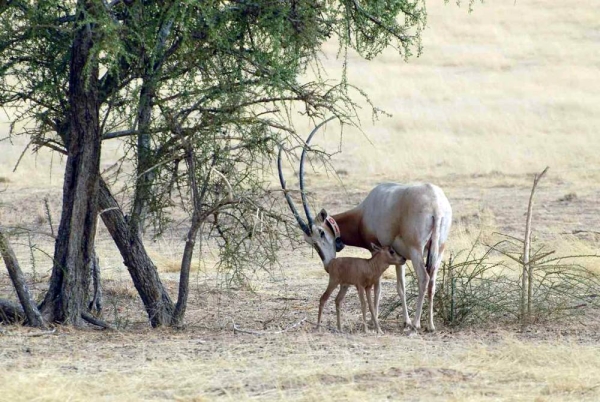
401	287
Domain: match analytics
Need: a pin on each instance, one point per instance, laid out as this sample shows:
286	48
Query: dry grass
496	96
201	366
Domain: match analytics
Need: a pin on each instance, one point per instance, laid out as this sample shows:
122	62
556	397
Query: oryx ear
322	216
339	245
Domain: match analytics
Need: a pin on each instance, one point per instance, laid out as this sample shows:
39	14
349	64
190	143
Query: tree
202	93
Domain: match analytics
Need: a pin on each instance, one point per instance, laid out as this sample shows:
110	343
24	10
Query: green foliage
222	77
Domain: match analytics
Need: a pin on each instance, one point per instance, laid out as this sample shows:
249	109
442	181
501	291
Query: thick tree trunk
67	296
34	318
141	268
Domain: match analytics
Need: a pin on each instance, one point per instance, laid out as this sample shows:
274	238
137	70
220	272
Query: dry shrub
119	290
482	285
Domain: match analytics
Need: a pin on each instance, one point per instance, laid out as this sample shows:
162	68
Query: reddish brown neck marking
350	223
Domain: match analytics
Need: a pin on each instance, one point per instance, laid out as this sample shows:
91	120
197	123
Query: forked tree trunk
141	268
66	299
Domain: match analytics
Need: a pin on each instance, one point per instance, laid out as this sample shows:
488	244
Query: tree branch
34	318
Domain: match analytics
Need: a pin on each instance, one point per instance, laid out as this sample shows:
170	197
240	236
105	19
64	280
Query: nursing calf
362	273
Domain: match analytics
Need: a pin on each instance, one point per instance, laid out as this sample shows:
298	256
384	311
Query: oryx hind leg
431	287
416	256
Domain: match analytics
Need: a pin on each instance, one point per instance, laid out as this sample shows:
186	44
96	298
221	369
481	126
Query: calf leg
338	305
371	309
363	306
332	285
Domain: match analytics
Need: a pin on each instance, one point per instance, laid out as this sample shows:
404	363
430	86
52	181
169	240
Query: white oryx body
414	219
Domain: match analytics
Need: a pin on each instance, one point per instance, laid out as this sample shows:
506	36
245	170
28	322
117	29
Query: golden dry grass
297	366
497	95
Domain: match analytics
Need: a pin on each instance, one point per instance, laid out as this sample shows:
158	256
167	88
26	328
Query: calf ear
322	216
375	248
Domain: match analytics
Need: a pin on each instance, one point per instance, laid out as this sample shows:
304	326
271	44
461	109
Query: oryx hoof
408	327
412	333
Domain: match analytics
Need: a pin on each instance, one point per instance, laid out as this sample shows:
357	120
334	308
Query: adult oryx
414	219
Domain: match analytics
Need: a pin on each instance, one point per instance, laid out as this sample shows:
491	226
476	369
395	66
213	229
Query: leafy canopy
219	79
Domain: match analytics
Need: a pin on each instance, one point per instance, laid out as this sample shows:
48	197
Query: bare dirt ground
497	95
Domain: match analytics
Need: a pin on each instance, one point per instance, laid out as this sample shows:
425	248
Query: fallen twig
30	335
582	231
330	328
237	329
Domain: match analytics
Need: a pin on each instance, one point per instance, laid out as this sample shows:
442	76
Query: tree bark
11	313
67	296
34	318
94	270
141	268
188	252
153	62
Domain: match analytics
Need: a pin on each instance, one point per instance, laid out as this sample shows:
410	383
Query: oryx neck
350	225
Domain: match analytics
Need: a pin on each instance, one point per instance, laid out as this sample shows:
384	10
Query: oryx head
321	233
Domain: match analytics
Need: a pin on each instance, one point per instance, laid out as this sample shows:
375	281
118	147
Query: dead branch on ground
96	321
237	329
30	334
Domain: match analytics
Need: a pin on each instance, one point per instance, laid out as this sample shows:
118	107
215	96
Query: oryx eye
322	234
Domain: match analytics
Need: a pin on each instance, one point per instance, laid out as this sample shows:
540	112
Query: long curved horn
303	226
301	173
